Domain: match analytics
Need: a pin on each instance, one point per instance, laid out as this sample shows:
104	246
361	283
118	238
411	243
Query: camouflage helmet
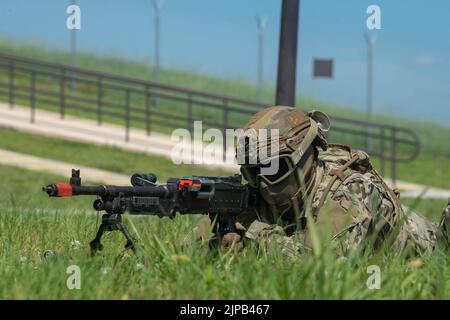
298	133
292	124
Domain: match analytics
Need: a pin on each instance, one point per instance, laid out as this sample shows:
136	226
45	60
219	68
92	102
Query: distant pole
287	54
261	24
73	49
370	40
157	6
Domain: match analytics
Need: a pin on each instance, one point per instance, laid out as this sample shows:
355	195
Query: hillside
434	149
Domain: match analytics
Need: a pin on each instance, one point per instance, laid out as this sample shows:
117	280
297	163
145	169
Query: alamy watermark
213	146
374	19
374	280
74	19
74	278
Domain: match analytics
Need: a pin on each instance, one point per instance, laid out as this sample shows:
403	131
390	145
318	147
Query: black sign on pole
287	54
323	68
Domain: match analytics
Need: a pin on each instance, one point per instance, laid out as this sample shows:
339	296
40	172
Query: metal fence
156	107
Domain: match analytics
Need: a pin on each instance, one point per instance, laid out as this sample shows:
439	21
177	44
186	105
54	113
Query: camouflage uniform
347	199
356	204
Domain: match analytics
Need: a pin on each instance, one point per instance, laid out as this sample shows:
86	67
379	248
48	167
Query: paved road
61	168
80	129
73	128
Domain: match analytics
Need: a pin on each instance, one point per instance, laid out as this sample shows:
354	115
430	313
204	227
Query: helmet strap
312	133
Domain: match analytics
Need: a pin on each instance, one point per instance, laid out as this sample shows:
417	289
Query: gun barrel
68	190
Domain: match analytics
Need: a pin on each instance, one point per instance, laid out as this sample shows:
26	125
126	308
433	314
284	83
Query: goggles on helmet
287	163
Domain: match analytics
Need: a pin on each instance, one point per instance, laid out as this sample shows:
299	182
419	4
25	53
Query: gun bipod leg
130	241
96	244
112	222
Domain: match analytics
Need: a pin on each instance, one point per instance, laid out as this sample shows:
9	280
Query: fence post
394	155
382	154
225	114
62	98
189	114
11	84
32	96
147	111
127	115
225	125
99	100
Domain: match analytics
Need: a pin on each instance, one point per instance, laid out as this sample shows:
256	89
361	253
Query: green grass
108	158
33	223
430	208
428	169
138	69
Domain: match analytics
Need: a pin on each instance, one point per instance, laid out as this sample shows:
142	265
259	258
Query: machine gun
222	198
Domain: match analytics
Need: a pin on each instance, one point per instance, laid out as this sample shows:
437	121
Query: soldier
331	185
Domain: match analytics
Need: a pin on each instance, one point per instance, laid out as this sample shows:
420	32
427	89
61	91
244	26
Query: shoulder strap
339	145
337	174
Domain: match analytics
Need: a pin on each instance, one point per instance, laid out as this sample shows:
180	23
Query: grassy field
108	158
31	223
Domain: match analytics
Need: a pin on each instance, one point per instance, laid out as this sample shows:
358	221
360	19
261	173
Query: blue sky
411	67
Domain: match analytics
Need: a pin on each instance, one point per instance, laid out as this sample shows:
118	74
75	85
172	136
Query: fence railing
157	107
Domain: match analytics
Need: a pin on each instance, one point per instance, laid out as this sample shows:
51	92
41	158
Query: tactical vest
349	193
346	180
337	167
